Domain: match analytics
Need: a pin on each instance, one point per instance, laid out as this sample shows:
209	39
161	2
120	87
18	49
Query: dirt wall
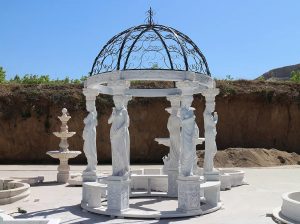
251	115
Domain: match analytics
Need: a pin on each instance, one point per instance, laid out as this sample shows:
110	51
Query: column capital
174	100
90	94
210	93
187	87
118	86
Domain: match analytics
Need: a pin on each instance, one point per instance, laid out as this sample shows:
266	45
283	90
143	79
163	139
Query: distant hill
283	73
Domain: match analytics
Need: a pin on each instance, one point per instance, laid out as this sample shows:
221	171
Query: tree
295	76
2	75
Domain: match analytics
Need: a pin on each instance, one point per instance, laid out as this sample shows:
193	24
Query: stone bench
92	192
211	192
225	181
236	176
149	182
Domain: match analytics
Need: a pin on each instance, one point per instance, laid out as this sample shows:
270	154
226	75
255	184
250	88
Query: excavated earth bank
252	114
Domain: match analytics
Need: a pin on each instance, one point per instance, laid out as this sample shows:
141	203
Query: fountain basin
63	155
64	134
291	205
11	191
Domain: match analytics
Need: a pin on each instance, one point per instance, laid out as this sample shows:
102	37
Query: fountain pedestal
63	154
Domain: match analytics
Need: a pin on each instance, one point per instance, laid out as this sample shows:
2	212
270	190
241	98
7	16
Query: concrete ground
251	203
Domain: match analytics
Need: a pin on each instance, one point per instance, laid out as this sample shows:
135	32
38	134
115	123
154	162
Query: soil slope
253	157
252	114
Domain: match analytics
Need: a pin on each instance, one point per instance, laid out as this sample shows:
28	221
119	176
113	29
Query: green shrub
295	76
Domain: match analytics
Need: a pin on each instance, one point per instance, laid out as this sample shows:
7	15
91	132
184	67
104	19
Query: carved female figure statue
173	126
89	137
210	121
188	137
119	137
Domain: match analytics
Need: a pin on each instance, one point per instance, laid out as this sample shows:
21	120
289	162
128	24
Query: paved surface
250	203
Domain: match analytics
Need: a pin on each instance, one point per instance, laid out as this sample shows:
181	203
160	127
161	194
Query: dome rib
132	45
165	46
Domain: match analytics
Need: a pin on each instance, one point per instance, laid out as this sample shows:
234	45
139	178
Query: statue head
210	106
187	101
90	106
118	101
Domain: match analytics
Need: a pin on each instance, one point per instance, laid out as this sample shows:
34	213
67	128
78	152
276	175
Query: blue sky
61	38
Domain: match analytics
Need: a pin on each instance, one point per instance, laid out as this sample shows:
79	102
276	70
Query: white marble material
12	191
225	181
181	162
63	168
291	205
290	208
189	193
211	191
97	81
89	136
173	126
188	137
63	154
119	137
33	180
149	183
210	132
236	176
172	182
92	192
143	213
118	188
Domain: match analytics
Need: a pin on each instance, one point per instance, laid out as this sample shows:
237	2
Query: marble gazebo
155	53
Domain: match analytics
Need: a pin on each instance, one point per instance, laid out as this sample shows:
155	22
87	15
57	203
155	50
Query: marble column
118	184
89	136
188	183
171	162
210	132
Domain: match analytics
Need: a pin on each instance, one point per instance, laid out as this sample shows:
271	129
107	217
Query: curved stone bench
92	192
149	182
11	191
236	176
211	192
225	181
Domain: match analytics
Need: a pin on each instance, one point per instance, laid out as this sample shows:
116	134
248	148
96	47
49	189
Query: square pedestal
212	175
89	176
118	193
189	193
172	183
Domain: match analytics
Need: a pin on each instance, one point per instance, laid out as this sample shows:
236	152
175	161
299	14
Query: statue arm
216	117
111	118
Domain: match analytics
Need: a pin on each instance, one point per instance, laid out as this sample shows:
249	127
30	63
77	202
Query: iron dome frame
150	46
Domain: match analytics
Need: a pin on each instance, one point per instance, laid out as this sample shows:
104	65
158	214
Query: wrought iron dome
150	46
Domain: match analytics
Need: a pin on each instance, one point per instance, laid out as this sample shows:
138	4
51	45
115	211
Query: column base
89	176
189	193
118	193
212	175
172	182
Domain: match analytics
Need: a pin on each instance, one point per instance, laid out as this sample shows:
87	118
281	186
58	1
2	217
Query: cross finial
150	16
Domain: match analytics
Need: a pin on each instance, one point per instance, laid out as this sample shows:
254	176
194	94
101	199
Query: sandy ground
251	203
